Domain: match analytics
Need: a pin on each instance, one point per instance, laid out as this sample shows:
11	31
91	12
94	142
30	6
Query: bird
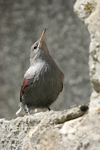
43	81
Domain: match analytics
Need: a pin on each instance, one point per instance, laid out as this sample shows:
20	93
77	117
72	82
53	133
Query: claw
27	109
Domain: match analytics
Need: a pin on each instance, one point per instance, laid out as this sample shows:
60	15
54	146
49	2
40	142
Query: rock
64	130
81	132
41	128
72	135
89	12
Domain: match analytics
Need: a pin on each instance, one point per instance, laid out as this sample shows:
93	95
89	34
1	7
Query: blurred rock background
21	24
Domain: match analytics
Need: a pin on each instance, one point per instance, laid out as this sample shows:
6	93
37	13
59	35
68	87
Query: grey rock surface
82	133
63	130
21	24
89	12
15	134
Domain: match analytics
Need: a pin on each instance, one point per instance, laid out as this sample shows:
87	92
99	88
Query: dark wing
26	85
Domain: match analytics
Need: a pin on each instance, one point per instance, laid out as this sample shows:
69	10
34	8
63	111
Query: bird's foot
27	109
49	108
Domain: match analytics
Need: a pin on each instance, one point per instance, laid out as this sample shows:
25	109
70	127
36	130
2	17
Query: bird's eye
35	47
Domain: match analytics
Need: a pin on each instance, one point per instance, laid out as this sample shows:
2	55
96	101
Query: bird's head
39	48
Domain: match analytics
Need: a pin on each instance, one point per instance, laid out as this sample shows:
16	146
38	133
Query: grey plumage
43	81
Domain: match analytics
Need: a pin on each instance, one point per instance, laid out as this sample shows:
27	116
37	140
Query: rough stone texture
12	132
21	24
52	131
89	12
78	134
82	133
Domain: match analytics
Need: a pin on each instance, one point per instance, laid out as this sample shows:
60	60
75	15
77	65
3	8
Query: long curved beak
42	38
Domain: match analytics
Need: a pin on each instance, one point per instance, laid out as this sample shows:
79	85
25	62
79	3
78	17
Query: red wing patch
24	87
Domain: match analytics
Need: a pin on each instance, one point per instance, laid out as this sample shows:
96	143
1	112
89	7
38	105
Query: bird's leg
49	108
18	112
27	109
